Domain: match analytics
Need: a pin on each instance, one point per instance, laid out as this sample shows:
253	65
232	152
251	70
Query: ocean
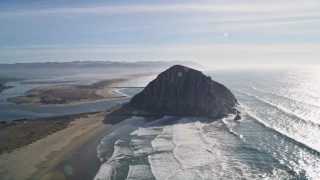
278	136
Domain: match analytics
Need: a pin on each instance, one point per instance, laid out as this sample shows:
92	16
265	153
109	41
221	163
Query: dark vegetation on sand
74	93
18	133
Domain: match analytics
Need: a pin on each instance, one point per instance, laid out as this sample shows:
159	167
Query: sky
215	32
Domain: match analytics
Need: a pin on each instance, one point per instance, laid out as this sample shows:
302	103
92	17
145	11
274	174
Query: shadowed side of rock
183	91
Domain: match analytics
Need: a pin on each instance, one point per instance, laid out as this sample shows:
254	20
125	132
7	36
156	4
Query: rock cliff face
183	91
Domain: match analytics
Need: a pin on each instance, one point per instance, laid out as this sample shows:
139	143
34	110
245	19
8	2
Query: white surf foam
101	148
118	92
163	142
312	145
120	151
313	115
186	150
151	131
139	172
141	146
164	165
105	172
200	151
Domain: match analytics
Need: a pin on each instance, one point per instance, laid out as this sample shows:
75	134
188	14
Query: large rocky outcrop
183	91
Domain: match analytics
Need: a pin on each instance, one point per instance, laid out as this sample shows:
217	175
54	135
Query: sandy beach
69	94
38	159
37	148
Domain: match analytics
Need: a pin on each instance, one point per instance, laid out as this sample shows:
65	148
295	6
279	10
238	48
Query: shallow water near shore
278	136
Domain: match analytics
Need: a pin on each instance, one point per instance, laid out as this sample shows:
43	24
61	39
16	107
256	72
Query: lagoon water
277	138
11	111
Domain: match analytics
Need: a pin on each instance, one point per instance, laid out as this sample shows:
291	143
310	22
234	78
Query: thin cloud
169	30
182	48
211	54
249	7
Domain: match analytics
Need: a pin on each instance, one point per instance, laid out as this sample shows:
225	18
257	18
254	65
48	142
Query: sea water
278	136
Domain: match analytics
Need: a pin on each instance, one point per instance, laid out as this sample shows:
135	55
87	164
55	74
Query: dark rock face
238	117
183	91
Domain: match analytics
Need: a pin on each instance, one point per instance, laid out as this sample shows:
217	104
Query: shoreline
86	163
69	94
3	82
39	158
2	87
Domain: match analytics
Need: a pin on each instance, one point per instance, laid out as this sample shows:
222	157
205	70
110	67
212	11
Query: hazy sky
215	32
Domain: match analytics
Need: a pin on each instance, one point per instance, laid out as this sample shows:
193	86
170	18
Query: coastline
2	87
39	158
69	94
87	162
3	82
36	151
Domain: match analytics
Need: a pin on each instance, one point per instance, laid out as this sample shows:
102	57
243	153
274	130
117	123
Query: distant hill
49	69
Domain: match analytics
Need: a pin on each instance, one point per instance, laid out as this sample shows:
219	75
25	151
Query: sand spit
69	94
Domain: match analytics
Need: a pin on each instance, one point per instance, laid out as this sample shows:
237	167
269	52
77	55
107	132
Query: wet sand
18	133
67	148
84	164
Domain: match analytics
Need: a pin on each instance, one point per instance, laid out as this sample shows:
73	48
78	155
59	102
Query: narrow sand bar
69	94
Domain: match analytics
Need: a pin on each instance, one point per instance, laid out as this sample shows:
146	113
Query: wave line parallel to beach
284	110
286	97
283	133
